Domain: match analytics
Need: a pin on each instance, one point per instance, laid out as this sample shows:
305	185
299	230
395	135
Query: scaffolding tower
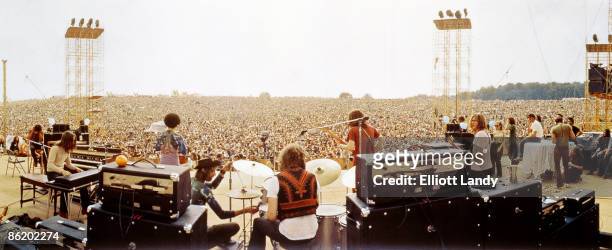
84	70
451	65
598	86
5	112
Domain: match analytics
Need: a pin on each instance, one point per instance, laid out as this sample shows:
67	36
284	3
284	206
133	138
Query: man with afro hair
170	145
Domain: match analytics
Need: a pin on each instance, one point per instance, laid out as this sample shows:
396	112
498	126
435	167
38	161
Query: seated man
57	165
575	168
201	193
534	135
292	203
603	160
601	154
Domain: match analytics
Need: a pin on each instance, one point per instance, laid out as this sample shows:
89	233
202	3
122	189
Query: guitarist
368	134
170	145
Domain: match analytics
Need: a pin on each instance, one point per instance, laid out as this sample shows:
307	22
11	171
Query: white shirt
297	228
58	157
536	127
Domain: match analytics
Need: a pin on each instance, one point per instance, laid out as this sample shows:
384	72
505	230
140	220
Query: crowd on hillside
215	125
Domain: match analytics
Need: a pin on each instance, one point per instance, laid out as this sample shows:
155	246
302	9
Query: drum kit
332	218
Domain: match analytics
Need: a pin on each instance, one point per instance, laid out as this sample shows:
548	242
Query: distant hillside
531	91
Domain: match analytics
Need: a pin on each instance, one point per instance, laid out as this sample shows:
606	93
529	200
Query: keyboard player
59	164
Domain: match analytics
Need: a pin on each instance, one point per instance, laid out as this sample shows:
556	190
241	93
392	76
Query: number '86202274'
32	236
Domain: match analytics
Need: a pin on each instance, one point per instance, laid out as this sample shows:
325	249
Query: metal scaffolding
5	112
451	65
84	70
598	104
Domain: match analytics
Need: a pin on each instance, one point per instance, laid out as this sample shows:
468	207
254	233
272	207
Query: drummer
201	193
291	216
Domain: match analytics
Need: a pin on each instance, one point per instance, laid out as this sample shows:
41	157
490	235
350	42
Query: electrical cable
35	86
535	33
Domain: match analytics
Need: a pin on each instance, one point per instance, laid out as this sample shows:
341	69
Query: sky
294	48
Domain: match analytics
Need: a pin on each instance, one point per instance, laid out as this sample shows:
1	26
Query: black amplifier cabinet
579	200
60	128
443	223
553	214
110	230
162	191
512	219
50	137
578	232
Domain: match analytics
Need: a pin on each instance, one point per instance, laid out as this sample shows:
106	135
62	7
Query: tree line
531	91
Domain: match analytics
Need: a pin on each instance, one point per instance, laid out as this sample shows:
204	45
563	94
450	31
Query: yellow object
121	160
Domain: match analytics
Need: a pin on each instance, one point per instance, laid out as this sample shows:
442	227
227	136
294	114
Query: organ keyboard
86	159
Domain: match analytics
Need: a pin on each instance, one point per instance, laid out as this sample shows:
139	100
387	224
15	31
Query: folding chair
14	162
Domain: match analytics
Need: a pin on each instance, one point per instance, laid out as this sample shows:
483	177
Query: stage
332	194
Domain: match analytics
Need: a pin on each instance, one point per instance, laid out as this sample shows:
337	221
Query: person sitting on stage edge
602	156
171	146
292	203
536	133
201	193
59	159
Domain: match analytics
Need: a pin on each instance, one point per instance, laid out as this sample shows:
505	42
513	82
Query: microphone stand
229	155
360	130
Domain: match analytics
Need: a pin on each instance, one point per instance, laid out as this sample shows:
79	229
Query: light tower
451	65
84	69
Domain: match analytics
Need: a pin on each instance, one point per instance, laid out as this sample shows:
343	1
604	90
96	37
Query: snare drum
330	234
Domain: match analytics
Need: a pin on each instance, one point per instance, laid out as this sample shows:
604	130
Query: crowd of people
297	129
222	125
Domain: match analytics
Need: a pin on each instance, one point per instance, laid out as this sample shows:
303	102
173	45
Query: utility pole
4	101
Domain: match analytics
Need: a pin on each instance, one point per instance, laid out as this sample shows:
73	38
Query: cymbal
326	170
253	168
348	178
244	193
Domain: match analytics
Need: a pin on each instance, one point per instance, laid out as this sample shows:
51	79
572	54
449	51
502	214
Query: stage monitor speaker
453	127
597	87
84	129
